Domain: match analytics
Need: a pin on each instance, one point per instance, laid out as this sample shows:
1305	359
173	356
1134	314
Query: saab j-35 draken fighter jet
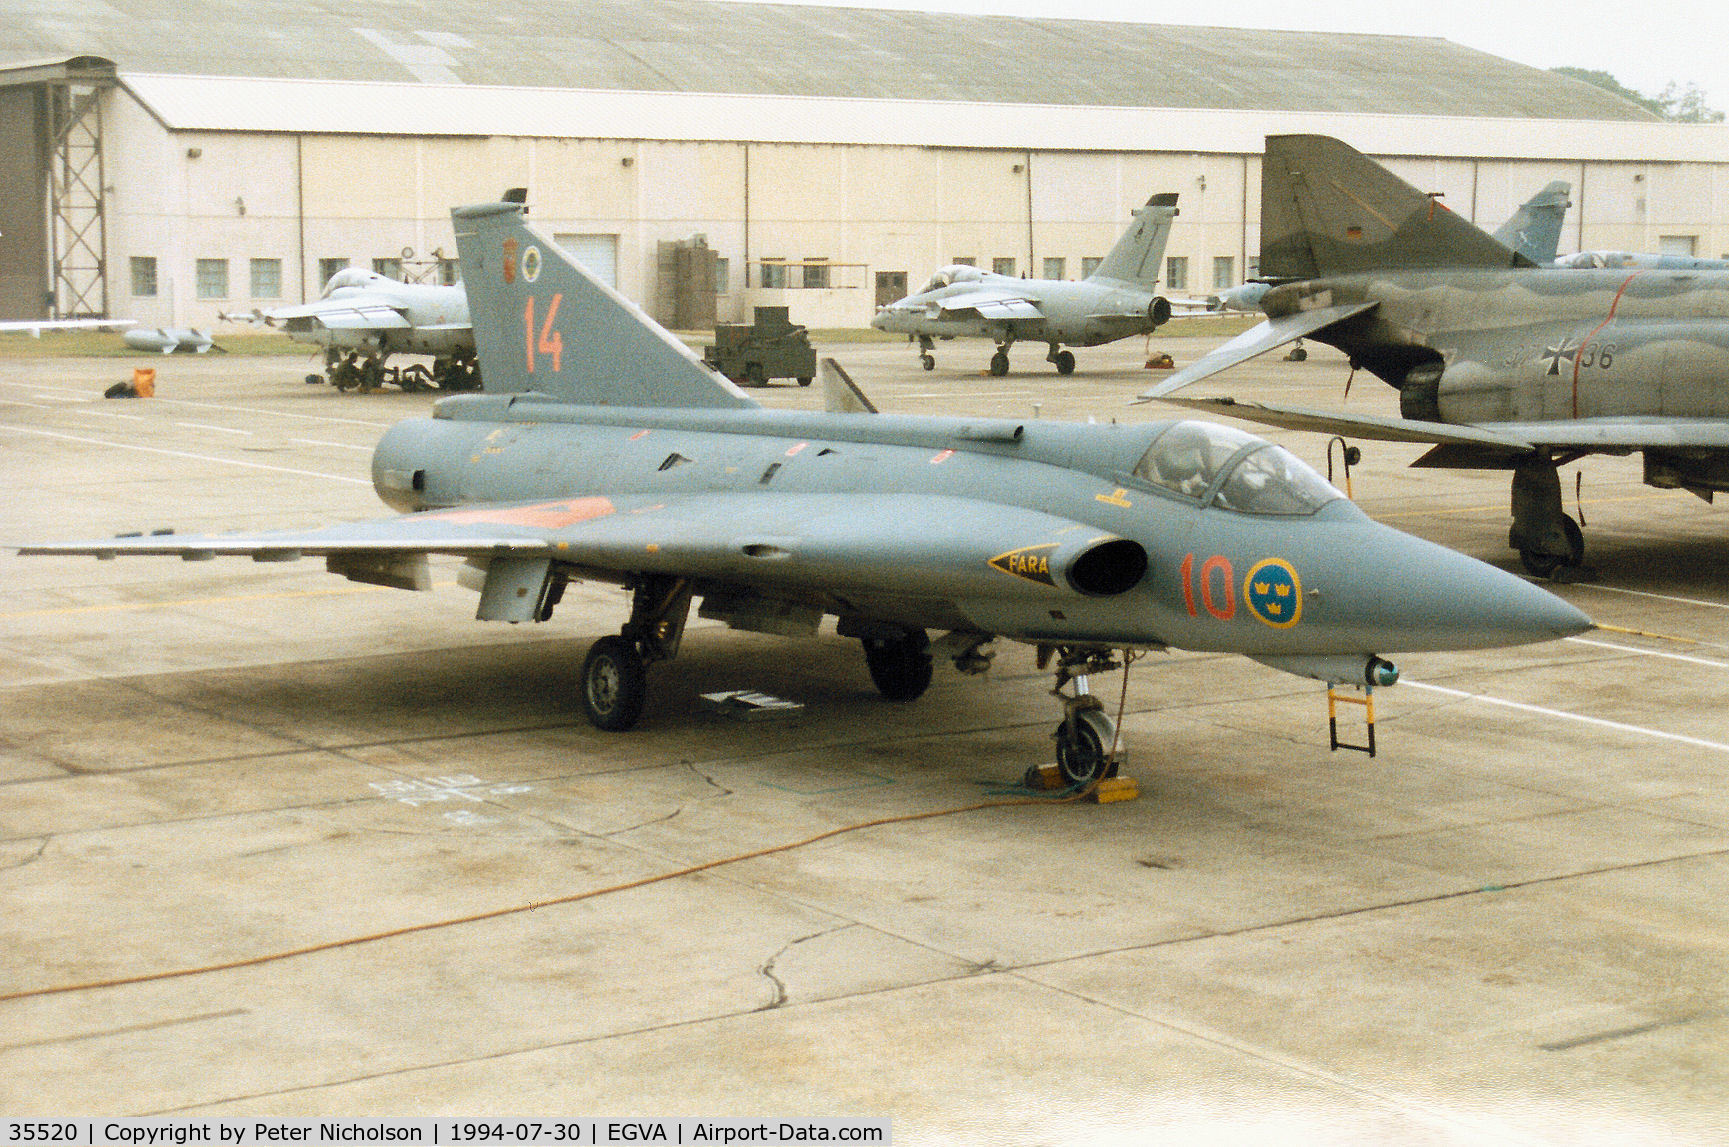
603	449
1117	300
1500	364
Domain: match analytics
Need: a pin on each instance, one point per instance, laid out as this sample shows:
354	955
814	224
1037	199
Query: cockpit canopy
349	277
1229	468
950	275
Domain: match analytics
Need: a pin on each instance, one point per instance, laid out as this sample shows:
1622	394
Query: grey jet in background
362	318
603	449
1499	364
1117	300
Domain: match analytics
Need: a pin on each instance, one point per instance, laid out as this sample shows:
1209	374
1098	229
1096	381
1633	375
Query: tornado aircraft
1117	300
603	449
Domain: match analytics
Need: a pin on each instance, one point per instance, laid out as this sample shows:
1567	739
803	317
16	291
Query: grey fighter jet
604	449
1500	364
1117	300
362	318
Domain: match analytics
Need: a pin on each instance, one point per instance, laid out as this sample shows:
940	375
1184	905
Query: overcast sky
1643	43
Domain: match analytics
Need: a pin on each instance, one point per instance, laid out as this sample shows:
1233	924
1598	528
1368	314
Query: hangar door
23	191
599	253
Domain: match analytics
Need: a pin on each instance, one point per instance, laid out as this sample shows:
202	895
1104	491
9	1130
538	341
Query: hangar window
327	268
773	275
964	261
722	276
213	278
1224	272
1177	273
1002	266
1055	268
1089	265
816	275
389	268
143	276
447	271
267	278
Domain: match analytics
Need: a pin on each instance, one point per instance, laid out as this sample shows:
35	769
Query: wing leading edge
898	544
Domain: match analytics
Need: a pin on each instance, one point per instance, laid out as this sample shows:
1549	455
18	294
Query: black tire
901	669
1539	564
314	380
1065	361
614	684
999	364
1082	745
928	361
805	381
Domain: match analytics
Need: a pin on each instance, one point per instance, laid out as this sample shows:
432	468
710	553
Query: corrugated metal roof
789	50
227	103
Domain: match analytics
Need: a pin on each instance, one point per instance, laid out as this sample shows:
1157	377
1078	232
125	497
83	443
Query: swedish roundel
1273	593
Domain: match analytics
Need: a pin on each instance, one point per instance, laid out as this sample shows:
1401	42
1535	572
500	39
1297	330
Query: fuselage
1532	345
368	312
1303	572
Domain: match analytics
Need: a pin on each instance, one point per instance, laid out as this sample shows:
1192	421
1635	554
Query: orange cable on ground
330	945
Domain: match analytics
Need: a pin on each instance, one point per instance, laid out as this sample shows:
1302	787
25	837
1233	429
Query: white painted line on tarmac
183	454
338	445
111	414
1655	596
1650	652
223	429
1637	730
83	396
974	394
31	405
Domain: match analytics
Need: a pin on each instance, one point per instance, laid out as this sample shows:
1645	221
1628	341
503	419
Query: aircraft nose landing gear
1087	742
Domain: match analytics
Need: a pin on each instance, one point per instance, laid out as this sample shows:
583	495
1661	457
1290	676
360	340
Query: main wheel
1065	361
928	361
1083	743
1000	363
901	669
1542	564
614	684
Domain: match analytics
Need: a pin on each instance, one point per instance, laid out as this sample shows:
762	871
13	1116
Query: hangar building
169	160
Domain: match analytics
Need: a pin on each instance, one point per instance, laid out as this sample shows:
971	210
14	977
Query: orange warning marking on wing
544	515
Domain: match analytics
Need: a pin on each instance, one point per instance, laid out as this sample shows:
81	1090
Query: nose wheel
1088	745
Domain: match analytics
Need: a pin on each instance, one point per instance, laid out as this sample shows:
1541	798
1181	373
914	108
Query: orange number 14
551	342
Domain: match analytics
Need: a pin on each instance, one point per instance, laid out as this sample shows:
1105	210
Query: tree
1678	103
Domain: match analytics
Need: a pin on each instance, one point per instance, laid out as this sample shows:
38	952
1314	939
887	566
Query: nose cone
1400	593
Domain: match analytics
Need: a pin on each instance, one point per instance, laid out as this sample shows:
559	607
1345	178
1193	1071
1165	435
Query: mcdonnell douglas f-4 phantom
603	449
1115	301
1500	364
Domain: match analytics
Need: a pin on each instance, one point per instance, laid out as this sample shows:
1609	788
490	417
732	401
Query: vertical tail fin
1327	209
1535	229
543	323
1139	252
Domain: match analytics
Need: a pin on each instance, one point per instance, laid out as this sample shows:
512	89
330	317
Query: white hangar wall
216	169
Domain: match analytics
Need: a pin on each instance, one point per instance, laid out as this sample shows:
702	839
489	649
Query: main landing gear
926	358
1550	543
1062	359
615	672
1087	741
